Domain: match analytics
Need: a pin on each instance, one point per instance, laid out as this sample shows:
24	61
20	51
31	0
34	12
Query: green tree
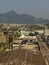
31	34
36	33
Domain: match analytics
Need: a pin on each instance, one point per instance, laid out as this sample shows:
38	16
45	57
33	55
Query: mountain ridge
13	17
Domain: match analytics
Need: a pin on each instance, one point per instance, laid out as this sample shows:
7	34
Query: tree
17	34
31	34
36	33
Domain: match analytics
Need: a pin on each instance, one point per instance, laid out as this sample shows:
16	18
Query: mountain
13	17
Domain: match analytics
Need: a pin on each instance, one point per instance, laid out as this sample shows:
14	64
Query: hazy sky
37	8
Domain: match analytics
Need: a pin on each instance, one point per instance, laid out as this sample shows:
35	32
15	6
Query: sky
36	8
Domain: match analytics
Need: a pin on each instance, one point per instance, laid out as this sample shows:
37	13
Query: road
44	50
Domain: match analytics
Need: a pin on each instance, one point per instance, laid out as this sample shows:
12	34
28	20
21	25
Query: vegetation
47	25
36	33
33	34
3	46
38	27
18	34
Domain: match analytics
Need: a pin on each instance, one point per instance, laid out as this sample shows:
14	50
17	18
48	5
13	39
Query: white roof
22	36
40	31
30	37
34	37
17	41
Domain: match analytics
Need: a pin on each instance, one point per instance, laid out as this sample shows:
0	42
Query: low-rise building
2	37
